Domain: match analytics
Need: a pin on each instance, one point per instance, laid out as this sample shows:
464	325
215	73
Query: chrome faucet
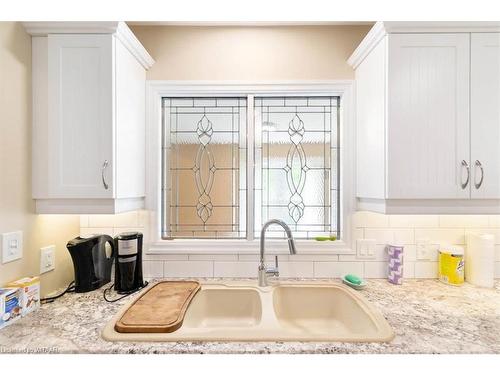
264	271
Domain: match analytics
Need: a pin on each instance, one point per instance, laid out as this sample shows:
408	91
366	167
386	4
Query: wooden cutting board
160	309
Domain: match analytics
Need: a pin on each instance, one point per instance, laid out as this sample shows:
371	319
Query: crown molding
118	28
383	28
441	26
130	41
375	35
43	28
249	23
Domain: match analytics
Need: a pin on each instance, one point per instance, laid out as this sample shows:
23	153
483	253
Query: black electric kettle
92	261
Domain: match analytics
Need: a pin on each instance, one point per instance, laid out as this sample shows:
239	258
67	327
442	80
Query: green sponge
353	279
323	238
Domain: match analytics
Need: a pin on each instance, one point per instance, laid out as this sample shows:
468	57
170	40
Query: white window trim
156	90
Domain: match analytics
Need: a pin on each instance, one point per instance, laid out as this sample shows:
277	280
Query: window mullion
250	168
165	177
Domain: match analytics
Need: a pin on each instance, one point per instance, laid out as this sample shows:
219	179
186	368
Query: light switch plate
47	259
12	246
365	248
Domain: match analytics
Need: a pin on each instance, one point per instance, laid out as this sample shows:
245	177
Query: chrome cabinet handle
478	184
104	166
464	164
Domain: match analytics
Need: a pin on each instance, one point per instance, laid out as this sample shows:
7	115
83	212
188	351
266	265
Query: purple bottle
395	266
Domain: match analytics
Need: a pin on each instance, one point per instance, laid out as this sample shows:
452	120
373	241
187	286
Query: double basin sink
282	312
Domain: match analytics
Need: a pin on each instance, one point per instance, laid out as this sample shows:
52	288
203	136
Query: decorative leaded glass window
204	157
296	165
294	174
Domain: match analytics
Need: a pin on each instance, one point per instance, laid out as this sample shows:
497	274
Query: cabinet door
485	115
428	116
80	116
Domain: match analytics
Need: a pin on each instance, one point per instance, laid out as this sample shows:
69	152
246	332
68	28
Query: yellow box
30	293
451	265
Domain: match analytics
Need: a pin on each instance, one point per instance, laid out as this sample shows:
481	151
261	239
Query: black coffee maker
92	261
128	262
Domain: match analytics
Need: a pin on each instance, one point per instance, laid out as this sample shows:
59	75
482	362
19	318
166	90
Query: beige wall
250	53
16	205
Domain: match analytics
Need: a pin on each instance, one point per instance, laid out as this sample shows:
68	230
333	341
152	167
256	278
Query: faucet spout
291	246
263	271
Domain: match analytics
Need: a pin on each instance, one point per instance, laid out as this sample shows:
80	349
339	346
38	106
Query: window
296	165
292	171
204	167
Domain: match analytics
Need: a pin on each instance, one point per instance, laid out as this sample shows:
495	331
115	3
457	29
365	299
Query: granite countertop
426	315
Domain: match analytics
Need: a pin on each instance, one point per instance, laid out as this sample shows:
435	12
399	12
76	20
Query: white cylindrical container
480	260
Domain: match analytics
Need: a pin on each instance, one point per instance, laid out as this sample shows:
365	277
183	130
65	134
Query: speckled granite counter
427	317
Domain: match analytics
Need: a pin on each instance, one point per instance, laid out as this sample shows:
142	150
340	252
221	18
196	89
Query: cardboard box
30	293
10	306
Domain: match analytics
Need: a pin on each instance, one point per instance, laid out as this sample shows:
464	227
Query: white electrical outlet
422	249
12	246
365	248
427	250
47	258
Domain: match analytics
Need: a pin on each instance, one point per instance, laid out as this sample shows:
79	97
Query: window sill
246	247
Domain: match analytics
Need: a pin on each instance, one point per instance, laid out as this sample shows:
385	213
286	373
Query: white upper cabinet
428	115
80	135
428	124
88	117
485	115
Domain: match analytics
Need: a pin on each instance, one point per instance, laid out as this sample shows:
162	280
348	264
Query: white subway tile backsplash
143	218
127	219
347	258
152	269
426	270
364	219
190	268
220	257
387	236
313	257
235	269
251	257
84	221
337	269
296	269
462	221
378	270
381	236
408	269
268	258
166	257
117	231
433	252
414	221
449	236
101	220
357	233
403	229
101	230
375	270
410	252
380	253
